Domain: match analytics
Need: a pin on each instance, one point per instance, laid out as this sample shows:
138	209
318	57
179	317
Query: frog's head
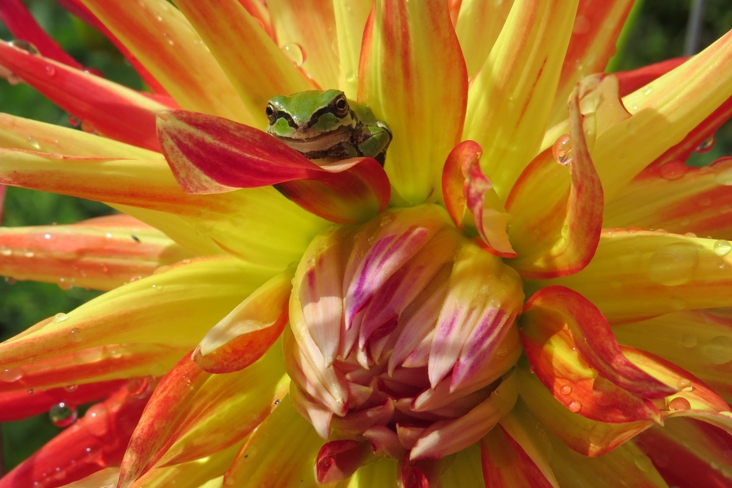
309	114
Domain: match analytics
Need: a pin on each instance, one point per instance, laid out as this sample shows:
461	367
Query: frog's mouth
320	142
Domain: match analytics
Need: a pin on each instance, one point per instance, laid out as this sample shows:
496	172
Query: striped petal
636	79
150	185
257	68
350	18
510	99
102	106
642	274
560	238
478	25
412	74
164	42
506	464
101	253
679	199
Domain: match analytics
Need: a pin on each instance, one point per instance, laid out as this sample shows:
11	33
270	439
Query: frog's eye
341	106
271	114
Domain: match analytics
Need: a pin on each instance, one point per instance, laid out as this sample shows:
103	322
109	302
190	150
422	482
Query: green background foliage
657	33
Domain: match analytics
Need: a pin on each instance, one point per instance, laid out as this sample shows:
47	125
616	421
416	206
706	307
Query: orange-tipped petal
641	274
100	253
678	199
561	236
102	106
163	413
411	74
94	442
464	186
248	331
175	307
510	99
478	25
308	25
227	408
161	38
596	29
258	72
284	444
506	464
149	185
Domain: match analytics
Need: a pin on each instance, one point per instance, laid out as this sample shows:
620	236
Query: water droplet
50	70
673	170
97	419
677	303
566	390
722	247
28	253
75	335
562	150
46	236
706	145
719	350
689	341
32	142
24	46
294	53
9	280
11	374
643	463
5	251
724	178
74	122
140	387
31	391
135	278
71	387
63	415
674	264
574	406
60	317
684	385
679	403
157	287
65	283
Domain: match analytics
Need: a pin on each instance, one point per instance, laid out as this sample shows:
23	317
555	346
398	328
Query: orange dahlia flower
517	297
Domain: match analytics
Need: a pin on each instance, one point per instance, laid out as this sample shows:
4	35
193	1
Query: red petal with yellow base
506	464
338	460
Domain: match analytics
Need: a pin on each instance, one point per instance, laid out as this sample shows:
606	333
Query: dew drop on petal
50	70
679	403
33	142
62	414
565	390
139	387
722	247
97	419
11	374
10	280
71	387
673	170
674	264
706	145
684	385
718	350
562	150
60	317
74	122
643	463
724	178
294	53
75	335
24	46
574	406
689	341
5	251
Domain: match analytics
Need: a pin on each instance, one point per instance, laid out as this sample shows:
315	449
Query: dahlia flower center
401	334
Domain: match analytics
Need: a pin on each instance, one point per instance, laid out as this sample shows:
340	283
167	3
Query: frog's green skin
326	125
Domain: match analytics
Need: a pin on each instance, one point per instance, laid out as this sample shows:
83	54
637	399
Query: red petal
337	460
506	464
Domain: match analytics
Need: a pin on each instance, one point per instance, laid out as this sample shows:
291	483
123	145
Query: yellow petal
510	99
642	274
106	478
255	65
161	38
308	25
465	470
175	307
413	77
382	472
350	18
478	25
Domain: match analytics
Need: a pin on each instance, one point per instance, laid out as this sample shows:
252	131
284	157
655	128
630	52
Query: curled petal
559	238
248	331
102	106
464	186
338	460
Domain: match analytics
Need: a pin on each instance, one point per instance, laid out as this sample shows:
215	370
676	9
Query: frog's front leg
376	142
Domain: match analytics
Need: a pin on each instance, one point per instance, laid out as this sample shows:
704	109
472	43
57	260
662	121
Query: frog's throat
320	142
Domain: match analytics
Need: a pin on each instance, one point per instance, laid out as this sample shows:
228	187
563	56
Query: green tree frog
326	125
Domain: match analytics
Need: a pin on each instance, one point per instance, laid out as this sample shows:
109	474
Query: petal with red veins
338	460
585	436
478	25
20	404
162	39
412	74
506	464
350	20
163	413
149	185
175	307
678	199
694	340
689	453
595	32
258	72
561	236
248	331
284	444
511	97
555	323
22	25
105	107
227	408
641	274
94	442
100	253
310	26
